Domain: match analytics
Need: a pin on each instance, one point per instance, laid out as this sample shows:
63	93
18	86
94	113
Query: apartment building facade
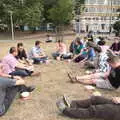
98	16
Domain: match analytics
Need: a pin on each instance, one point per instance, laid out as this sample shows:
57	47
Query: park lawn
52	84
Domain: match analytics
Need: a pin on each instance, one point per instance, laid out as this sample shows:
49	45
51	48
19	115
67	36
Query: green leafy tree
48	4
61	14
25	12
33	14
79	6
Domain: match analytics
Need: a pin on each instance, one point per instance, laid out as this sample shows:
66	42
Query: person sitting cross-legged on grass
37	54
95	107
86	54
108	80
12	66
9	87
22	55
61	51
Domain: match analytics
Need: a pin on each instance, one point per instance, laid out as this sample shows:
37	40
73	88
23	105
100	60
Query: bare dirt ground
52	84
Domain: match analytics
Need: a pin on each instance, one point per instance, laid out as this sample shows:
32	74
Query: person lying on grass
93	108
9	87
108	80
12	66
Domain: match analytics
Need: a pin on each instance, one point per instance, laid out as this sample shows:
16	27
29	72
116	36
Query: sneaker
61	105
30	89
66	101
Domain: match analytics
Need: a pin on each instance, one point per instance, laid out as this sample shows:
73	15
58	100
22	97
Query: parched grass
52	84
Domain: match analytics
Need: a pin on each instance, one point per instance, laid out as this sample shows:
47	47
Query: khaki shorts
104	84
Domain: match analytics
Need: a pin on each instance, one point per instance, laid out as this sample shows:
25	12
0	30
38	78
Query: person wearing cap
95	107
37	54
108	80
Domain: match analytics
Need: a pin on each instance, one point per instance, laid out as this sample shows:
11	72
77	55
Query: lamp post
12	27
110	29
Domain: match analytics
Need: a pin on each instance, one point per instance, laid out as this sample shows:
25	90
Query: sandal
72	79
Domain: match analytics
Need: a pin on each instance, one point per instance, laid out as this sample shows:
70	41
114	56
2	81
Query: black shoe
31	88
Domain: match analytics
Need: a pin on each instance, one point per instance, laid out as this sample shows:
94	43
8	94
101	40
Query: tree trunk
59	32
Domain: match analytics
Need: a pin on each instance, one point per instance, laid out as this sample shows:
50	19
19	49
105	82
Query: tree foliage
24	11
79	6
33	12
61	13
48	4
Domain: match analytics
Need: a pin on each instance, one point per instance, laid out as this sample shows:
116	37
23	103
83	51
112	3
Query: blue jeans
11	93
21	73
64	56
38	60
55	55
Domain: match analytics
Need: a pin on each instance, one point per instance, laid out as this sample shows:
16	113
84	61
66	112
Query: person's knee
24	73
36	60
20	82
96	99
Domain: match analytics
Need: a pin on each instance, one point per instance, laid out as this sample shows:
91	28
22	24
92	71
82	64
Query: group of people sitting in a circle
93	54
104	65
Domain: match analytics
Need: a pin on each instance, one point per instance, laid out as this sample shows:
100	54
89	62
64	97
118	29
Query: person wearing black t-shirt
114	76
22	55
115	47
21	52
109	80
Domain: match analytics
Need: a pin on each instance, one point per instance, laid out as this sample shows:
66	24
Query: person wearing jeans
94	107
37	54
12	66
40	60
21	72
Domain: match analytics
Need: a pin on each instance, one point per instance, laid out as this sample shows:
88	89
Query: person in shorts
109	80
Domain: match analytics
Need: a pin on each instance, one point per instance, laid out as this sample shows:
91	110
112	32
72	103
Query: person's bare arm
3	74
76	56
117	52
21	61
21	65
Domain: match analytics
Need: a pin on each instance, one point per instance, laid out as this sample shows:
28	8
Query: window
103	26
100	2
